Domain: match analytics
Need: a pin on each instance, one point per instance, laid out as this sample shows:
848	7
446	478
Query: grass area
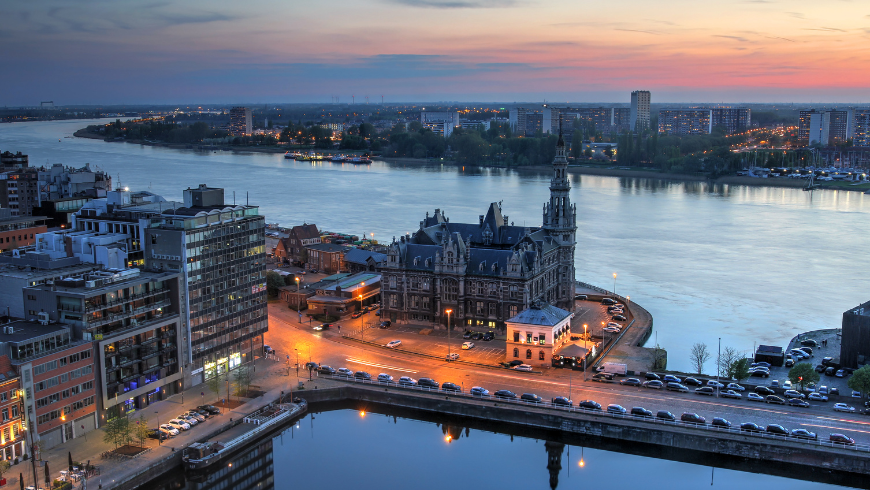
844	184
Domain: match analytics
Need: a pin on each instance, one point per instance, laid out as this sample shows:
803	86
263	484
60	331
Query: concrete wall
855	344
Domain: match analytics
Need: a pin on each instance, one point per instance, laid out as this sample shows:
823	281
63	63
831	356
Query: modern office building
841	127
22	268
19	231
855	343
12	443
220	251
640	116
134	318
862	127
485	272
527	122
57	377
13	161
732	119
449	117
441	128
241	123
19	191
685	121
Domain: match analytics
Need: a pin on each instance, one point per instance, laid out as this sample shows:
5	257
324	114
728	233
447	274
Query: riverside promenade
271	376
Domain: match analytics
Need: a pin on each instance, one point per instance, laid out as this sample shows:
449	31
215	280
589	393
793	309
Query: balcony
89	307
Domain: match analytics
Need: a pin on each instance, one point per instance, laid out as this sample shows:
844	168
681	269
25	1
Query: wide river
748	264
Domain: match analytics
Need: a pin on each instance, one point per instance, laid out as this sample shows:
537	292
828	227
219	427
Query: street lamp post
448	311
159	433
298	300
614	284
362	318
718	364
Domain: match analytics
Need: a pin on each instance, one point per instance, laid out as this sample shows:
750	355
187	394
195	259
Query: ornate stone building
485	272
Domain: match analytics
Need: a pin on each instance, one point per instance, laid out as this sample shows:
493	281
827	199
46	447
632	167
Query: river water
747	264
367	450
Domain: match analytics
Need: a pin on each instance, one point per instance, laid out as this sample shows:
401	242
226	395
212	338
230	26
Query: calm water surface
747	264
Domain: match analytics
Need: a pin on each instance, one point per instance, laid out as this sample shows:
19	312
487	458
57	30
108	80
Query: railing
604	413
97	322
133	297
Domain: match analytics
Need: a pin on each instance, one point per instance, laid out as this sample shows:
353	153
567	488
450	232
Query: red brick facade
12	432
64	389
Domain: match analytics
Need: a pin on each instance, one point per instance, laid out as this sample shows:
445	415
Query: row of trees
121	431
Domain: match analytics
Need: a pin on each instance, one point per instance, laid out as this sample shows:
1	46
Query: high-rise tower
560	220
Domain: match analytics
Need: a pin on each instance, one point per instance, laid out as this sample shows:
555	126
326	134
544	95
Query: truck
614	368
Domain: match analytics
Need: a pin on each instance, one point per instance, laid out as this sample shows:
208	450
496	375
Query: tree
4	467
741	369
860	381
274	281
214	384
244	377
125	431
803	374
698	356
141	430
727	358
110	432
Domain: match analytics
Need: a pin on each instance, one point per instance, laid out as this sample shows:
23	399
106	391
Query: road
289	338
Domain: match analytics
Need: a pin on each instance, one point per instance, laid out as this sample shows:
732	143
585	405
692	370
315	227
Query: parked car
692	418
774	383
842	439
705	390
324	369
505	395
833	390
720	422
173	431
204	413
817	397
793	394
467	334
760	364
730	394
670	378
159	433
362	375
356	314
608	301
842	407
797	402
665	415
715	384
776	429
677	387
479	391
789	363
619	318
630	382
589	405
451	387
467	345
488	336
210	409
652	377
823	389
759	373
806	350
764	390
602	377
641	412
754	397
692	382
830	371
616	409
856	394
787	384
580	297
774	399
344	373
750	427
735	387
561	401
654	384
611	330
803	434
394	343
531	398
179	424
407	381
386	323
826	361
809	343
190	420
840	373
523	367
196	415
820	368
385	378
428	383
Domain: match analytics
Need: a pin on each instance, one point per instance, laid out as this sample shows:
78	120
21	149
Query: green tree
214	384
110	432
274	282
803	374
4	467
125	431
244	377
141	430
699	355
860	381
741	369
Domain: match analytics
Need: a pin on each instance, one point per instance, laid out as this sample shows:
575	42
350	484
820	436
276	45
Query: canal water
368	450
745	264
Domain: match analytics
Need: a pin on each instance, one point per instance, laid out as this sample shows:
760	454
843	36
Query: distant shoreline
611	171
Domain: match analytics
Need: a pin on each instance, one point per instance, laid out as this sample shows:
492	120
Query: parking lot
435	343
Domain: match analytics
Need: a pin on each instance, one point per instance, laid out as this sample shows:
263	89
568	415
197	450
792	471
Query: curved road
288	337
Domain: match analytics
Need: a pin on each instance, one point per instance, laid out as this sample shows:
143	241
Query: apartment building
12	424
134	319
685	121
640	105
241	122
732	119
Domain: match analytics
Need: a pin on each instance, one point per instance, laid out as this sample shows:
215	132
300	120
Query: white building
536	333
442	128
451	118
640	101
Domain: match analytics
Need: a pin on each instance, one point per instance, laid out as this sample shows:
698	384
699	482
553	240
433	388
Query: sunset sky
218	51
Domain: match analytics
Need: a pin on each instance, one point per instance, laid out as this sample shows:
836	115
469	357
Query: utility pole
718	364
448	311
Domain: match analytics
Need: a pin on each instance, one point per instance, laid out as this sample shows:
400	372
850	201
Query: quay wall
672	436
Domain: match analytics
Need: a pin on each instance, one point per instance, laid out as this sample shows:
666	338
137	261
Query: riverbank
578	169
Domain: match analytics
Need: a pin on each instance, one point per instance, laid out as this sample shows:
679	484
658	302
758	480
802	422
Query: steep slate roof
360	256
541	314
434	228
304	232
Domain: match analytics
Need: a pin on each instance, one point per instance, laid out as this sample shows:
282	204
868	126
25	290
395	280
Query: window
5	414
392	282
514	292
393	300
542	339
528	338
528	353
516	352
493	289
541	355
425	283
480	291
4	396
516	336
425	302
492	309
451	290
513	311
14	411
479	308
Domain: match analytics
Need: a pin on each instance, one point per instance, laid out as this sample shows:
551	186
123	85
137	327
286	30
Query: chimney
481	220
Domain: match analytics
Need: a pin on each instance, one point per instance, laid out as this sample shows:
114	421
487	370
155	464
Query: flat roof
25	330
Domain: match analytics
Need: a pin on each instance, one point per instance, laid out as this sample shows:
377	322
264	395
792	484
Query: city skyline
101	52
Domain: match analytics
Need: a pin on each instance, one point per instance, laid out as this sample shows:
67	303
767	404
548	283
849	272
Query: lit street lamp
448	311
614	284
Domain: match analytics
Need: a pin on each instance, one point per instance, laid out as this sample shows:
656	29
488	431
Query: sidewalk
271	377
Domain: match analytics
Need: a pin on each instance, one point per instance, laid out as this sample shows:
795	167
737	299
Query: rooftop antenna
247	198
352	99
382	100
